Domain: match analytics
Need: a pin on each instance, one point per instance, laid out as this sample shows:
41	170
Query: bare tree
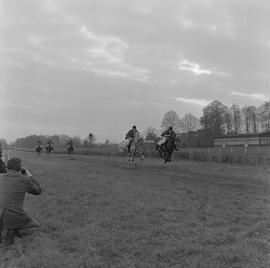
228	120
92	138
150	133
264	116
213	120
250	119
171	119
236	118
190	123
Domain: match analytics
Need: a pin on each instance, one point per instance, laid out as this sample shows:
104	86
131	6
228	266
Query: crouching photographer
13	186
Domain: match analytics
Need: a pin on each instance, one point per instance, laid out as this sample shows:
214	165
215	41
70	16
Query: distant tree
189	123
250	119
77	141
86	143
150	133
264	116
92	138
3	143
213	120
228	120
63	140
171	119
236	118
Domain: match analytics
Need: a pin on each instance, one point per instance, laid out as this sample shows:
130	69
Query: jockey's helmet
170	128
134	127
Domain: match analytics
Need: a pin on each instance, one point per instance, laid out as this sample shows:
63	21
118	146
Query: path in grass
99	212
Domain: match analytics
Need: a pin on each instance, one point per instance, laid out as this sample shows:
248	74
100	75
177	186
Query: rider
39	144
49	143
130	136
171	134
70	144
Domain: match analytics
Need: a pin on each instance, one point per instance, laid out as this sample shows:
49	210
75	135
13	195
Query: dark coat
131	134
13	188
167	132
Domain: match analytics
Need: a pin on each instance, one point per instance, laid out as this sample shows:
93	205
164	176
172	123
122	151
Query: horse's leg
133	161
166	155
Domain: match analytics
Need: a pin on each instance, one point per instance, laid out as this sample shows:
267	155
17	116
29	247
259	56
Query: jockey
39	144
171	134
49	144
70	144
130	136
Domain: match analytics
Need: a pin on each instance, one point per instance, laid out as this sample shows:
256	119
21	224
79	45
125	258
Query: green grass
99	212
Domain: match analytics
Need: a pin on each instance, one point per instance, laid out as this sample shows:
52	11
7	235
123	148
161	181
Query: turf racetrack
100	212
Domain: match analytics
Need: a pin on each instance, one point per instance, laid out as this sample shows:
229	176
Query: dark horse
70	150
38	149
166	150
49	149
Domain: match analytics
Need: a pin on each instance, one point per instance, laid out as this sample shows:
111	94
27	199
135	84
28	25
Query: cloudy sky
74	67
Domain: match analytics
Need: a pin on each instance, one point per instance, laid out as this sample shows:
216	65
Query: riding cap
170	128
134	127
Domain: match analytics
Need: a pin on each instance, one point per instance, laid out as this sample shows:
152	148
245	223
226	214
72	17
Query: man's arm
33	186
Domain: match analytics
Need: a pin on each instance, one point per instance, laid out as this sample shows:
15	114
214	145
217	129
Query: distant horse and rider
133	145
167	145
39	148
70	148
49	148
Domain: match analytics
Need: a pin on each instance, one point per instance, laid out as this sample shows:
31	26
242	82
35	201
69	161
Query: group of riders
165	146
49	146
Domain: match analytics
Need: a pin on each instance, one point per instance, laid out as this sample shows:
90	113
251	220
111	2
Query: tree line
217	120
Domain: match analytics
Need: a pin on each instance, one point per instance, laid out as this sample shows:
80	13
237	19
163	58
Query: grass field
98	211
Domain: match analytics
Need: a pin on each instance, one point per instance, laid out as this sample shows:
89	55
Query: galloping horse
70	149
136	149
38	149
49	150
166	150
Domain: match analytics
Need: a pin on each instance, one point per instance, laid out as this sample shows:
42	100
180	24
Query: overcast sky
74	67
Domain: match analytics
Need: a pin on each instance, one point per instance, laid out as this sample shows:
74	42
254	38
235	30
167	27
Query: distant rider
39	144
49	144
130	136
70	145
169	133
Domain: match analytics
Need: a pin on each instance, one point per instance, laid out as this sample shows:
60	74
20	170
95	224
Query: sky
74	67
